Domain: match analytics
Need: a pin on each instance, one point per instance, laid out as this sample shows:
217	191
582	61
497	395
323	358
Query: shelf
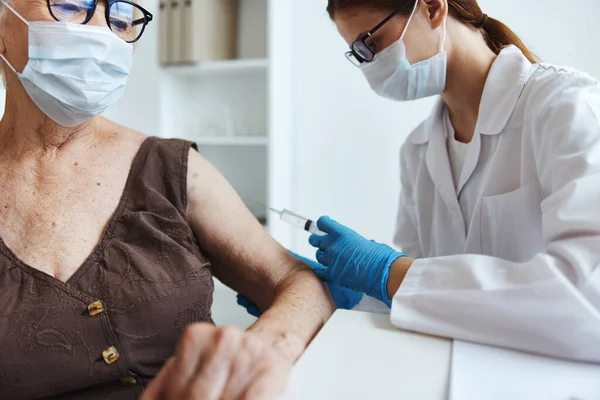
231	141
227	67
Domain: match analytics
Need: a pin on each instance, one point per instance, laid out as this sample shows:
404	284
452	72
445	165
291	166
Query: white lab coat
526	273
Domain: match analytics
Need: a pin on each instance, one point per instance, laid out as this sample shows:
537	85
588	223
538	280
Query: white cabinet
223	107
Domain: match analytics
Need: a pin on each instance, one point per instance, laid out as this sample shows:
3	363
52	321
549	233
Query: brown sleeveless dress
107	331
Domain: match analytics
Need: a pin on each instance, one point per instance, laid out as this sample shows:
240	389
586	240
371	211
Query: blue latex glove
344	298
248	305
351	261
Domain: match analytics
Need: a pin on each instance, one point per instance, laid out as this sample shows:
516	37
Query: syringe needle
278	212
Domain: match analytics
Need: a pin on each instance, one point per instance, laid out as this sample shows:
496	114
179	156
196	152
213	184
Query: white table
362	356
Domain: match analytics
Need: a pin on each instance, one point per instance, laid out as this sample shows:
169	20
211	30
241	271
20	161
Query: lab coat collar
431	125
503	87
502	90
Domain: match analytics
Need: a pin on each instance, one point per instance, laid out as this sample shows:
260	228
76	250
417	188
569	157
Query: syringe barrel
293	219
299	222
313	228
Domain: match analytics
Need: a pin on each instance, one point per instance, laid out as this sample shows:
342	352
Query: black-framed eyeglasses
361	51
125	18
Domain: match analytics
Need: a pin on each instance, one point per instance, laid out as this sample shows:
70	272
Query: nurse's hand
221	363
351	261
345	299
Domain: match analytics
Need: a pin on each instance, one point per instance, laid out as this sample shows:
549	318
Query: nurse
499	213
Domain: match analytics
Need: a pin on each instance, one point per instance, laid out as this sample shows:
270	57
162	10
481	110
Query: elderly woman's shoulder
123	135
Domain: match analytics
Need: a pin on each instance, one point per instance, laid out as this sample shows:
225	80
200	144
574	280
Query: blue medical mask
74	71
391	75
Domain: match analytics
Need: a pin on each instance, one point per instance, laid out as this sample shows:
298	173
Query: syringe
292	218
297	221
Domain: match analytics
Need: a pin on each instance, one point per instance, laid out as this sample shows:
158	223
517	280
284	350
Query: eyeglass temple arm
142	20
382	23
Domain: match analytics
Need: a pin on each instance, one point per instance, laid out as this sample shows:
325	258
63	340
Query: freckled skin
54	214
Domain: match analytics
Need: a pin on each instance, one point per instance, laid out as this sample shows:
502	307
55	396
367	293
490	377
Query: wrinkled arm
245	258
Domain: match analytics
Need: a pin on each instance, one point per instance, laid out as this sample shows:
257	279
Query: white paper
481	372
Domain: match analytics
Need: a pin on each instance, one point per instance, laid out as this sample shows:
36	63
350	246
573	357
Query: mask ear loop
26	23
9	65
409	19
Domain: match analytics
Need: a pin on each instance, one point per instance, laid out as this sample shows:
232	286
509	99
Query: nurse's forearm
398	271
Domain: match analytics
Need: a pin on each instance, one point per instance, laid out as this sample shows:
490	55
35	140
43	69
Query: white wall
347	139
560	32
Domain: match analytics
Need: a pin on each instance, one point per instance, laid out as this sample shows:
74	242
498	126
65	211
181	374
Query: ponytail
496	34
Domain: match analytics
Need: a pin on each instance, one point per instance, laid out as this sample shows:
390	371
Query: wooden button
129	380
110	355
95	308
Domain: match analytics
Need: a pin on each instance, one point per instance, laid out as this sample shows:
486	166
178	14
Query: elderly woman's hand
221	363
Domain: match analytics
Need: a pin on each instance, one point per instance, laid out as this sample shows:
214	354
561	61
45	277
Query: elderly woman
109	239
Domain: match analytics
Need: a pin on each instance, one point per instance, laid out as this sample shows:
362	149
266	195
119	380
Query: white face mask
74	71
391	75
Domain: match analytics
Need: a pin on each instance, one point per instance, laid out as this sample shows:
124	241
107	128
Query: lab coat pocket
511	224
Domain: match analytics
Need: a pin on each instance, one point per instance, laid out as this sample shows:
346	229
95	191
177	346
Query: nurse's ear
437	11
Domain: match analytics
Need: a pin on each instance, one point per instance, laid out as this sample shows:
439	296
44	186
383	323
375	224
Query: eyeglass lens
363	50
126	20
